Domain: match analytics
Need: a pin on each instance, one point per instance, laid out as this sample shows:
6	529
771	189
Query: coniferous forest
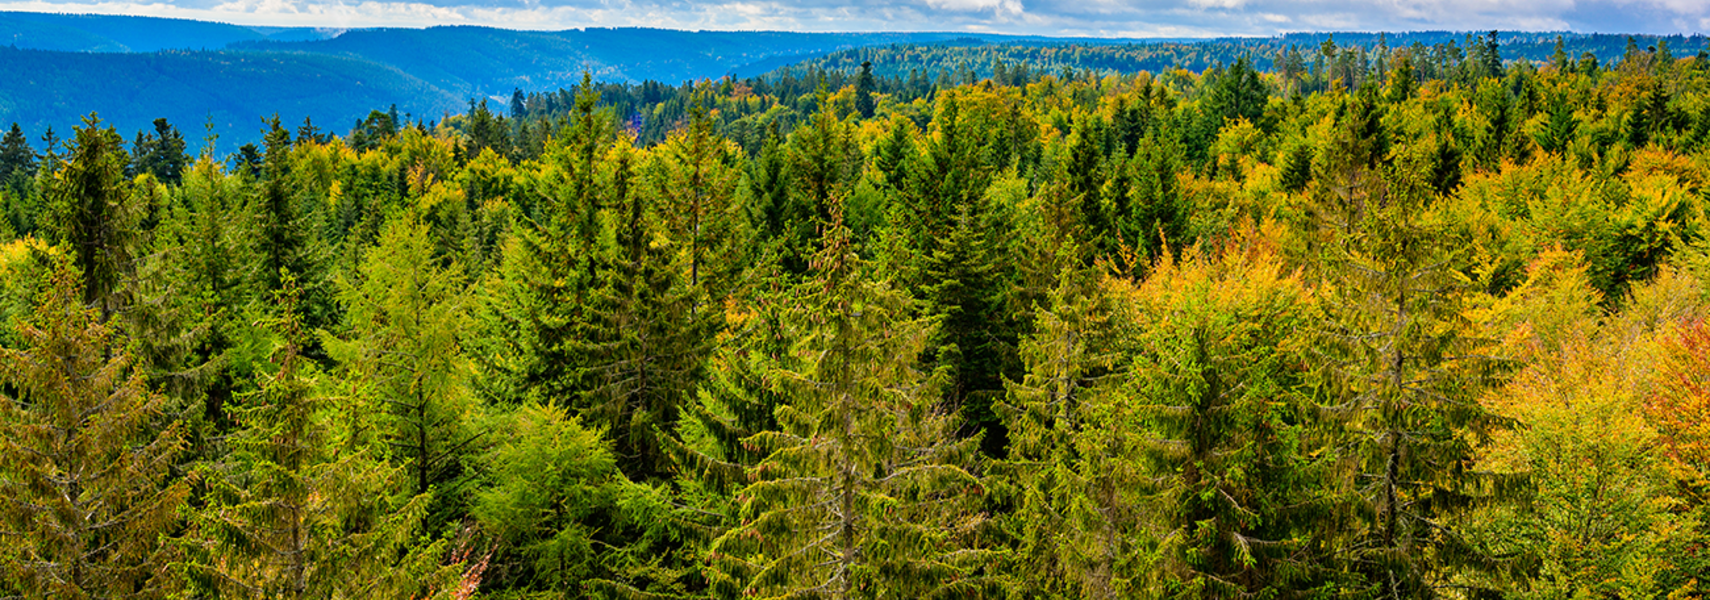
1364	323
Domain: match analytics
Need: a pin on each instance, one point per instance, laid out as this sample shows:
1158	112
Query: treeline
1183	335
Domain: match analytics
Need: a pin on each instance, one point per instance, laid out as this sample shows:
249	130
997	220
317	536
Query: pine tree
87	490
303	506
17	160
975	339
554	484
285	236
161	153
862	492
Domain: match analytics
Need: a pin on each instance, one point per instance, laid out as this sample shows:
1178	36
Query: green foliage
89	492
1396	317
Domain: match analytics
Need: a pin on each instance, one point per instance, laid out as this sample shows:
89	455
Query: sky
1097	18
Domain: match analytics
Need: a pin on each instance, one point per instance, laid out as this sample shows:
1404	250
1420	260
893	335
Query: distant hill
132	70
109	33
232	89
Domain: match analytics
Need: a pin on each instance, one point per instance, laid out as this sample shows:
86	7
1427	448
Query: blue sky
1111	18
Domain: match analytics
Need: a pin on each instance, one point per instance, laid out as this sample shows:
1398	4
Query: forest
1346	322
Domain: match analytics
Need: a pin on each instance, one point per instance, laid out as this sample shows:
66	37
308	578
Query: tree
1404	377
406	315
87	490
646	342
550	478
694	175
1218	379
862	492
284	236
161	153
303	506
17	173
91	212
1074	461
864	91
17	160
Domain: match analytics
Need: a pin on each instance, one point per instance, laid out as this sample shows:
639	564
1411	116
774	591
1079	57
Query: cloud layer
1103	18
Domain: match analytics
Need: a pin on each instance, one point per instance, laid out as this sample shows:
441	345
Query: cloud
1113	18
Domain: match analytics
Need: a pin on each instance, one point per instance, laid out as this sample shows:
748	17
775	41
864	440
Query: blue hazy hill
108	33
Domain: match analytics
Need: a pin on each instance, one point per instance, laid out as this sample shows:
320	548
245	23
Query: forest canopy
1360	321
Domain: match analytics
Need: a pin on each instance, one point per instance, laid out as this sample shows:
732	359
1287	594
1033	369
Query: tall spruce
863	492
88	492
303	505
1218	376
1404	376
1073	468
91	212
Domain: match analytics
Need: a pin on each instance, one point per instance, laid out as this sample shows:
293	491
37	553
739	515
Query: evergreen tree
87	490
862	492
17	160
1073	466
1406	379
646	342
406	318
864	88
91	212
1217	377
17	174
304	506
160	153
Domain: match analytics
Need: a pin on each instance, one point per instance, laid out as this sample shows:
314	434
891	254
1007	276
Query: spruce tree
645	342
1404	376
1218	376
88	491
91	212
303	506
1074	465
863	492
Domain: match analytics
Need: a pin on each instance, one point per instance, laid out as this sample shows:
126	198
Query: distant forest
1392	320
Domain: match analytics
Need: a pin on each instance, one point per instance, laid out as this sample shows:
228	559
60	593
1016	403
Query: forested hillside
1397	327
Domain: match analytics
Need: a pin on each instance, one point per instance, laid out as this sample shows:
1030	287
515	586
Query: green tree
160	153
91	212
303	506
87	490
1218	377
1074	466
862	492
1405	379
406	316
864	88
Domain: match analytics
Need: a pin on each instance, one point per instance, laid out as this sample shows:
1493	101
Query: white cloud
1124	18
